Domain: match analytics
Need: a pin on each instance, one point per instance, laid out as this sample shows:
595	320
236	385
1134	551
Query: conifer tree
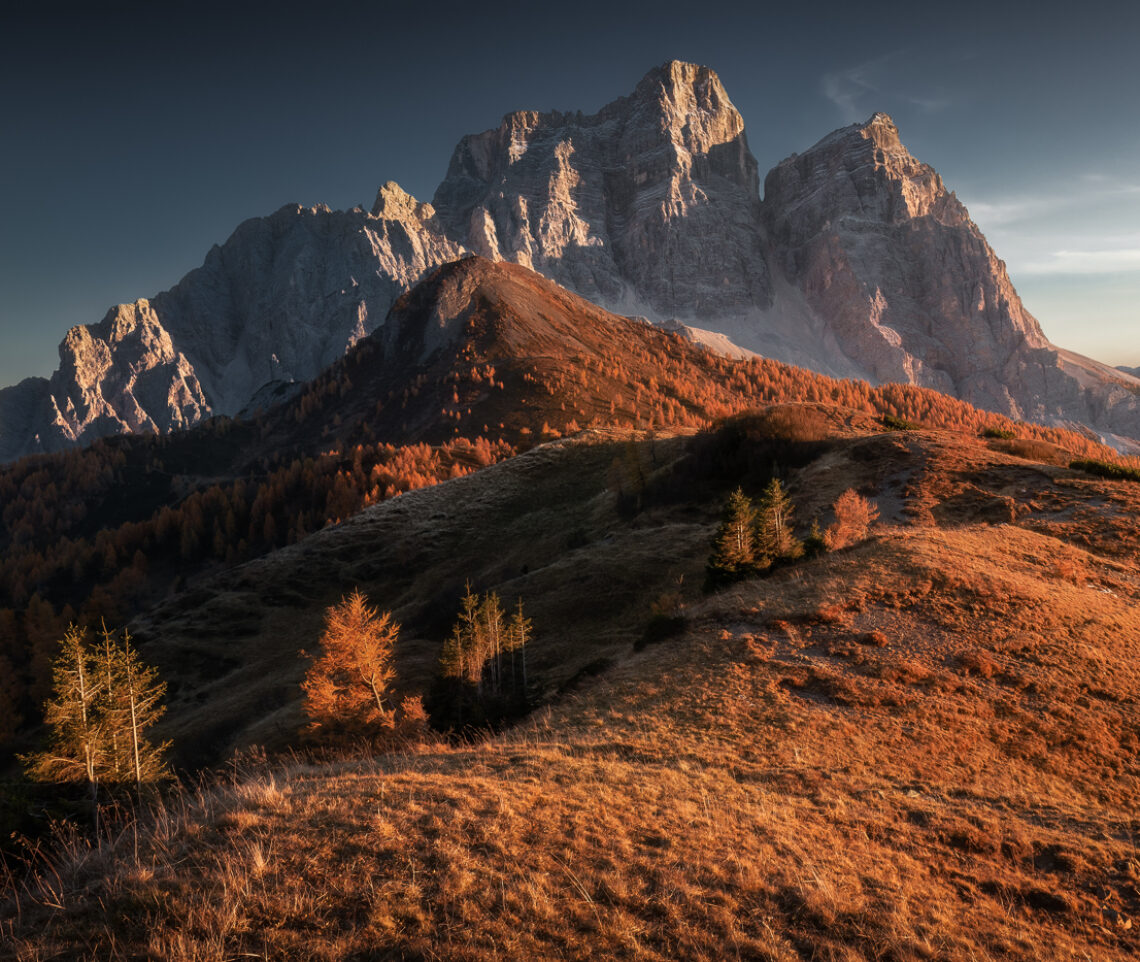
815	543
77	745
132	702
854	516
104	699
518	635
346	686
734	554
484	645
462	655
774	534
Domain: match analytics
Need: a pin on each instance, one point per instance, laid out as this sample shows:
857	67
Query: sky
134	136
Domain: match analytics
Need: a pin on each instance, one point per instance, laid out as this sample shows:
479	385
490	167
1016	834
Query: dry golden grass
922	747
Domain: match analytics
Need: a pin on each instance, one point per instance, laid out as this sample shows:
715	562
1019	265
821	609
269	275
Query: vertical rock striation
652	204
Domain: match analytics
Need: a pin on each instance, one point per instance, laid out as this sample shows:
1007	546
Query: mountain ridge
857	262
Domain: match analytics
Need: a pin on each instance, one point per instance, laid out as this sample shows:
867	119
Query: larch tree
518	636
346	686
77	747
854	516
486	653
104	700
132	704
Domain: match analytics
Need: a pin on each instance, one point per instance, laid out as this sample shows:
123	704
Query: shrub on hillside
1105	469
892	423
854	516
1002	434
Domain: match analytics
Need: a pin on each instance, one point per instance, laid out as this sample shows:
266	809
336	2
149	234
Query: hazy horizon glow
138	136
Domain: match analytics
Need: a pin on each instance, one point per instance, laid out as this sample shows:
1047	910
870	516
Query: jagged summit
641	205
394	203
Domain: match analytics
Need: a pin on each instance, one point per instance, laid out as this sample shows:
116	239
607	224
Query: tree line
91	535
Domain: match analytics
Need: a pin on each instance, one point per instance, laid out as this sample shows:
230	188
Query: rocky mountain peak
394	203
858	262
695	109
891	258
647	206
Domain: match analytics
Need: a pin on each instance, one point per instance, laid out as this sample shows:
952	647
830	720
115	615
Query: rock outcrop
282	299
858	262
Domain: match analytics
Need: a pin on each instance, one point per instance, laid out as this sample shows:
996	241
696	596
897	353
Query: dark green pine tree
734	554
775	537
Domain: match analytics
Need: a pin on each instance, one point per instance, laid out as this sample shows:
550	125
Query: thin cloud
867	86
845	88
1003	212
1108	261
1017	210
931	105
1110	186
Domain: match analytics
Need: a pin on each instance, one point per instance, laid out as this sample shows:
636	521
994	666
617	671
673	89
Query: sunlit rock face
652	203
890	257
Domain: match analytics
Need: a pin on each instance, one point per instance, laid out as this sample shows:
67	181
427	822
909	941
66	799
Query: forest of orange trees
97	534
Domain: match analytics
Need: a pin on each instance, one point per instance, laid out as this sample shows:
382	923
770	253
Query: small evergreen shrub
815	544
1105	469
892	423
1000	434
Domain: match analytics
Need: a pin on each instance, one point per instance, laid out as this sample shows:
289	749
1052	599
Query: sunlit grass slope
922	747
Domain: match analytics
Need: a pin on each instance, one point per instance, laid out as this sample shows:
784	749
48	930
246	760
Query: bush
1105	469
1031	450
854	516
1001	434
892	423
815	544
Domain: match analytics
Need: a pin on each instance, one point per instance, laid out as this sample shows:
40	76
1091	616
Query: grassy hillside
922	747
477	363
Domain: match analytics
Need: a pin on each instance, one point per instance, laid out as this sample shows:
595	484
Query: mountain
858	262
908	286
651	204
478	362
282	299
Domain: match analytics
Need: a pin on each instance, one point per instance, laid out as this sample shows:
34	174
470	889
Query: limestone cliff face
652	203
282	299
891	259
122	375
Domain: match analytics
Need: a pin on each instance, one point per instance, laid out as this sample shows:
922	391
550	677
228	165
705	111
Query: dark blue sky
133	136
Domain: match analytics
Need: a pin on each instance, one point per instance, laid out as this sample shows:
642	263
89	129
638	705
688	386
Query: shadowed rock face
890	257
282	299
858	262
